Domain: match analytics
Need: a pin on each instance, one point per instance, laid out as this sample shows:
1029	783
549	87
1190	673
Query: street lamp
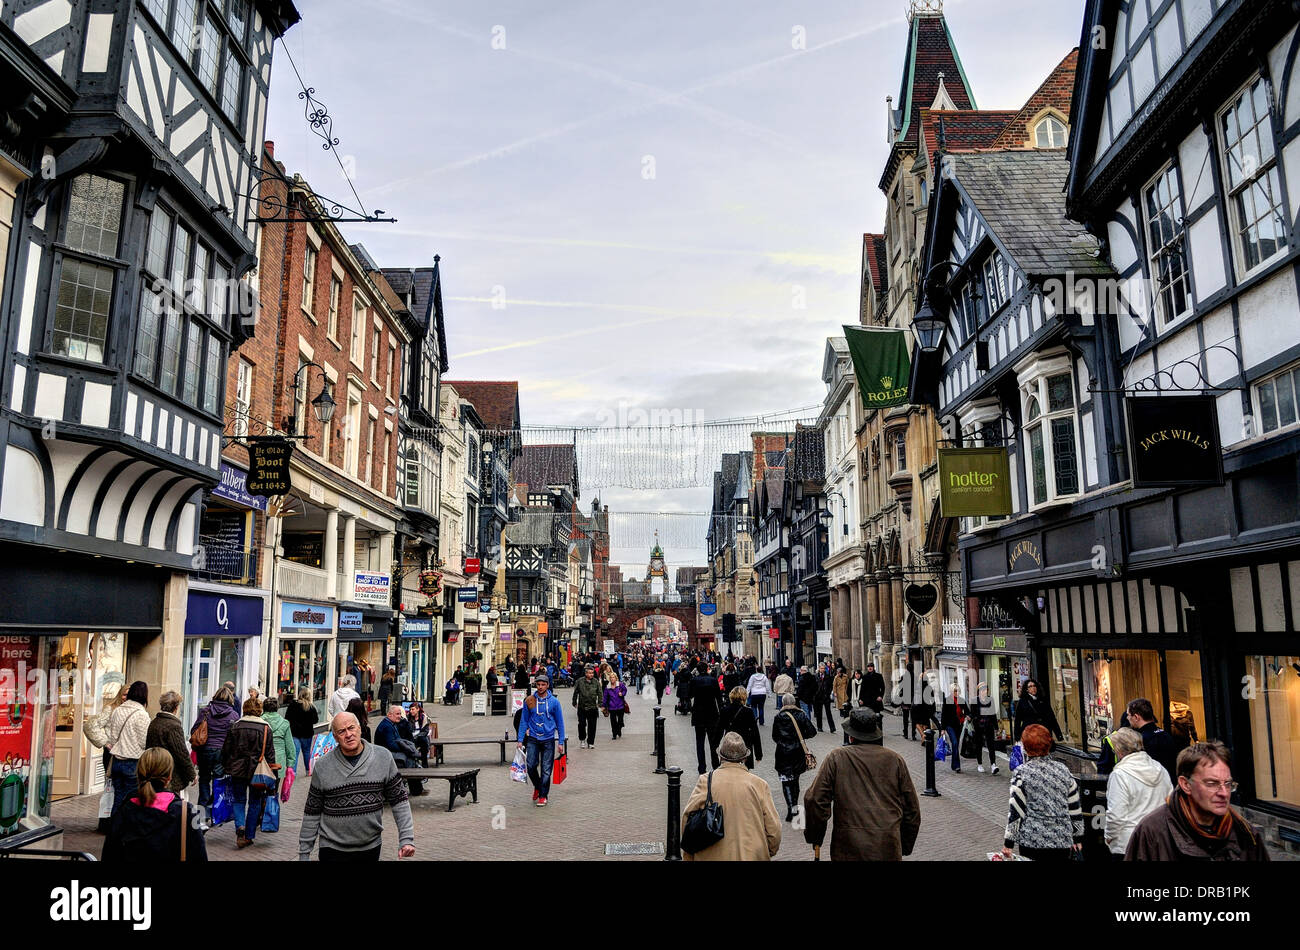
927	326
322	406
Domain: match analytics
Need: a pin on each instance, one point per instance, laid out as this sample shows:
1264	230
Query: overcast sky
639	206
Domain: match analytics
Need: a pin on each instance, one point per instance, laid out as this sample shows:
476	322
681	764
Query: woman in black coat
1033	708
358	709
787	727
952	718
148	825
737	717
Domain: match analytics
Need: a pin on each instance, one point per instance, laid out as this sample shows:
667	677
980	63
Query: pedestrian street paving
612	796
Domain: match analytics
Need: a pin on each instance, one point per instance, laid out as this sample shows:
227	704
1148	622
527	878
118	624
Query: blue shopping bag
941	748
223	801
271	814
1017	757
321	744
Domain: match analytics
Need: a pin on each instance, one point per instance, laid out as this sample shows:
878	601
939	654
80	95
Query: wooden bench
461	783
437	744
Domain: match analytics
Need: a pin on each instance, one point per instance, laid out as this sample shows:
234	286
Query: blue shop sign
466	595
222	615
708	610
233	486
416	627
349	620
306	617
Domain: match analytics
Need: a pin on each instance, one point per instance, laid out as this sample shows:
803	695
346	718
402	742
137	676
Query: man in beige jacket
752	829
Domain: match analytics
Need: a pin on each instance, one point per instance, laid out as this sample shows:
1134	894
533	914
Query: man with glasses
1198	823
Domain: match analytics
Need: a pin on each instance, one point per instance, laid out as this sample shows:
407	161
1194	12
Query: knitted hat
1036	740
732	748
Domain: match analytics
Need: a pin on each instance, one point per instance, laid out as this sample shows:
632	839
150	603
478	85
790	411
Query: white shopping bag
106	804
519	767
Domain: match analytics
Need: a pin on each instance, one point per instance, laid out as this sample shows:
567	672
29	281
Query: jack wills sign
974	482
1174	441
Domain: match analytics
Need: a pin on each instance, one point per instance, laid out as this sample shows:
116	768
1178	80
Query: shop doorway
210	662
91	671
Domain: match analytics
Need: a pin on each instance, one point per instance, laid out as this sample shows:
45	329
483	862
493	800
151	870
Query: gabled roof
774	486
808	460
930	51
496	401
743	478
1056	92
533	530
423	286
962	131
546	465
730	475
873	257
1020	195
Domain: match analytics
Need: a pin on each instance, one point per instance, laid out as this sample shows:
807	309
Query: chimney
270	148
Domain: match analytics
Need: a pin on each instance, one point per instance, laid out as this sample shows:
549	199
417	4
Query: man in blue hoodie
541	733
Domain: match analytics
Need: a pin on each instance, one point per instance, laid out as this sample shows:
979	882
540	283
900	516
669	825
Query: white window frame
352	433
376	344
993	273
309	262
300	407
1176	244
1269	165
336	293
1033	375
360	321
1051	132
383	461
388	378
243	397
1289	375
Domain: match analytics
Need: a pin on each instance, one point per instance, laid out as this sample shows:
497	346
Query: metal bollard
673	841
654	743
930	790
659	746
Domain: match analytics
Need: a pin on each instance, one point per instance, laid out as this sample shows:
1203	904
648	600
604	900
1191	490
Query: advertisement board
974	482
371	588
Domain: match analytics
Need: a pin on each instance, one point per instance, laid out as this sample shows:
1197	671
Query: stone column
330	551
349	556
900	607
856	644
871	612
885	617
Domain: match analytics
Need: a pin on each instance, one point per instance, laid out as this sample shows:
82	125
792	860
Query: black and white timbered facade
126	161
1172	216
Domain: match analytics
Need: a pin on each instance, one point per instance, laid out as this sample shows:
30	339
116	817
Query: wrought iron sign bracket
1167	380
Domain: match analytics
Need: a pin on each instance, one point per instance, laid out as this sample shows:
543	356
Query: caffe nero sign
974	482
1174	441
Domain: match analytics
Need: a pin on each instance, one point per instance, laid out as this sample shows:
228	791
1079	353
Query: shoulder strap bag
262	775
704	827
185	825
810	760
199	734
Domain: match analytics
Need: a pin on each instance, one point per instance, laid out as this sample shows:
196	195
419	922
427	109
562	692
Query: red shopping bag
561	770
286	785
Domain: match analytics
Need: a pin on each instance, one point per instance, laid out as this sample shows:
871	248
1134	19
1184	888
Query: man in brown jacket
165	732
749	820
877	813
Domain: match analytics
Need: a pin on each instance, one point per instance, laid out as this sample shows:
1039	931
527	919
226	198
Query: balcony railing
225	563
955	636
300	582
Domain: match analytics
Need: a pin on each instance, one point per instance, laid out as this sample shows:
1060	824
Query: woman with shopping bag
953	717
248	757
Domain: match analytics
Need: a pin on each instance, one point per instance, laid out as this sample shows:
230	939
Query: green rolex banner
881	363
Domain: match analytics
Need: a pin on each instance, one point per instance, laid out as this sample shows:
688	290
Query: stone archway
624	617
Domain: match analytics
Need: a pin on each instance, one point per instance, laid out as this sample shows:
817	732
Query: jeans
587	725
616	722
807	708
303	748
124	781
907	722
210	767
354	857
954	747
757	703
541	759
254	796
703	738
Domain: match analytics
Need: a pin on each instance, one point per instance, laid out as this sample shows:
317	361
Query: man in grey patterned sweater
345	804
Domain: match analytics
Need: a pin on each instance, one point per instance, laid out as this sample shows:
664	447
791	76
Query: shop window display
1273	698
1186	713
302	666
1111	678
27	736
1065	695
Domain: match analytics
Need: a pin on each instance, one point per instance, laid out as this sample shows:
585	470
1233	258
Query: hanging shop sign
543	627
974	482
708	610
921	598
371	588
222	615
466	595
233	486
430	583
1174	441
472	565
268	459
307	618
349	620
881	363
415	627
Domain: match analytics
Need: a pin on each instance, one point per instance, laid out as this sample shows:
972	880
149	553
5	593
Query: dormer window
995	281
1050	133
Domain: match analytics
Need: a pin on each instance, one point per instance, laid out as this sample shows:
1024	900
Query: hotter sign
974	482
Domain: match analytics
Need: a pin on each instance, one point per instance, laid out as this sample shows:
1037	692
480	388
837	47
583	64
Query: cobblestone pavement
611	796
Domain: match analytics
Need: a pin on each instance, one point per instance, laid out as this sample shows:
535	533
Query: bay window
212	39
84	299
184	298
1245	130
1050	429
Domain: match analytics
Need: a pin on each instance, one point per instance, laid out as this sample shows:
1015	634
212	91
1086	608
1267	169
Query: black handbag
703	827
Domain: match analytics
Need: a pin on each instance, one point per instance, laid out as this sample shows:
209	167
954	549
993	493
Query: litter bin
500	701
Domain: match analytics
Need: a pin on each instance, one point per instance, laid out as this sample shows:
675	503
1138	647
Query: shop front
1002	662
362	649
415	648
223	637
302	653
63	659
